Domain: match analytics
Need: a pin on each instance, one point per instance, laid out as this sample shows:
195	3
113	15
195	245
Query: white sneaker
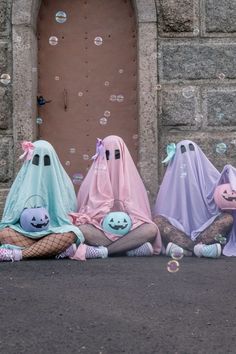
145	250
69	252
172	249
209	251
96	252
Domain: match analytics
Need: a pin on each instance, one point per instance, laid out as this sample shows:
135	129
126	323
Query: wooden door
88	73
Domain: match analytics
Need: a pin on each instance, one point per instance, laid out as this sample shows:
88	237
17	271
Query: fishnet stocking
170	233
13	237
50	245
221	225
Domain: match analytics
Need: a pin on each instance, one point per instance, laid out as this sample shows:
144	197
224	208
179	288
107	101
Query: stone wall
197	76
6	128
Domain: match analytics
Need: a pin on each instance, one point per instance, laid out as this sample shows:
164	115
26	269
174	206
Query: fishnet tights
47	246
221	225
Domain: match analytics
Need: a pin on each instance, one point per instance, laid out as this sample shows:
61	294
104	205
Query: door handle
65	94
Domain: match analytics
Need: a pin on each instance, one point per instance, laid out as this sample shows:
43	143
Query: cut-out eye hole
191	147
183	148
107	154
47	160
117	154
35	160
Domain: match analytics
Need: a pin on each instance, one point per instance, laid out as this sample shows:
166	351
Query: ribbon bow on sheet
100	149
28	149
171	150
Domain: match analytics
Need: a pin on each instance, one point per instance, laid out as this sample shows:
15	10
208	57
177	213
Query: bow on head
100	149
28	149
170	149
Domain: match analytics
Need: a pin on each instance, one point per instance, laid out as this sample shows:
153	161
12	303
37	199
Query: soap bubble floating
5	79
61	17
221	148
173	266
53	40
98	41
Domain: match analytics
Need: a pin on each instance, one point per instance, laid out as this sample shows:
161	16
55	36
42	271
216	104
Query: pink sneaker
144	250
7	255
96	252
69	252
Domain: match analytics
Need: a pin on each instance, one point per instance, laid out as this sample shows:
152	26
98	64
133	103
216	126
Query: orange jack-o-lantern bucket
224	197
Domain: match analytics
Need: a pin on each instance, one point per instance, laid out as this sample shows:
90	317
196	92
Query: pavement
118	305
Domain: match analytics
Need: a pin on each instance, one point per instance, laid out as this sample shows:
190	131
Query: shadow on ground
118	305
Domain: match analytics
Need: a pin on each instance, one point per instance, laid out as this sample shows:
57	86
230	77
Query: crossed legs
47	246
134	239
221	225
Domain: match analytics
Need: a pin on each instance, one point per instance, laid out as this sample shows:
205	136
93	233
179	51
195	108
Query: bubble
39	120
85	157
57	78
5	79
53	40
103	121
67	163
158	87
199	118
183	170
220	116
221	239
135	137
166	230
221	148
121	71
188	92
113	98
107	114
3	162
80	94
106	83
196	31
177	254
72	150
173	266
120	98
221	76
77	178
98	41
61	17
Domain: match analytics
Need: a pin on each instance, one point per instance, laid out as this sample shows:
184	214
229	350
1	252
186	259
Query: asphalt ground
118	305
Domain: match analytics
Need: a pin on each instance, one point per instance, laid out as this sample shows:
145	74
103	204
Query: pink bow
28	149
100	149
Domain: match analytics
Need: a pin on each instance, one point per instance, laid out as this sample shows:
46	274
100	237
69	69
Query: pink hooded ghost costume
112	184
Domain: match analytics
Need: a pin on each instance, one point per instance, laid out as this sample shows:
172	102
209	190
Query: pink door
88	72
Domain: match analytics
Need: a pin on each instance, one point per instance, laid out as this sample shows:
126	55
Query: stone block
220	16
179	107
145	10
25	12
3	57
6	160
198	60
177	15
221	107
5	6
5	107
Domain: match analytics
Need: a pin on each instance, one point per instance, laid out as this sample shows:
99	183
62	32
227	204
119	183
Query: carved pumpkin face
117	223
34	219
224	197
